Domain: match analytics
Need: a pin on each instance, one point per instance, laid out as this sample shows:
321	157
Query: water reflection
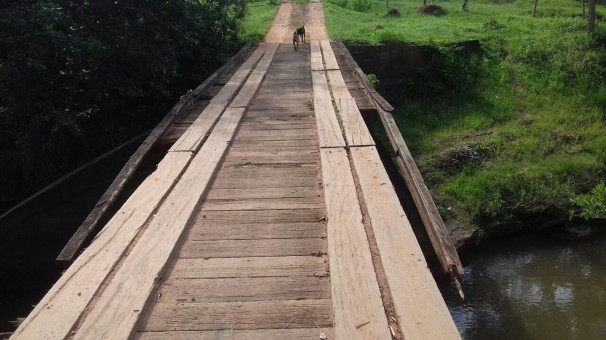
533	287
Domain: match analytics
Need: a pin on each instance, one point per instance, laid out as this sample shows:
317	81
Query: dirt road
290	16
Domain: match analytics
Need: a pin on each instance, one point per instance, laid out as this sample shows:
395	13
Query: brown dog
295	40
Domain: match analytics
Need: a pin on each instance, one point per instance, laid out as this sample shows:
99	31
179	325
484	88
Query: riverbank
504	137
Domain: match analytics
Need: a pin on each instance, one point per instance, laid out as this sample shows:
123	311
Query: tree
591	18
79	77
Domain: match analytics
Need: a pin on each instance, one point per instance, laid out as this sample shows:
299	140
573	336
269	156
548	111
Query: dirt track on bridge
290	16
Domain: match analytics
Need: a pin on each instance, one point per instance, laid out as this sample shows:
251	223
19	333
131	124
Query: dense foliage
512	133
79	77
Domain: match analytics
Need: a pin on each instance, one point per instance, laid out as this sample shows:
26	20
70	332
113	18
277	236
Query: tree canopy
79	77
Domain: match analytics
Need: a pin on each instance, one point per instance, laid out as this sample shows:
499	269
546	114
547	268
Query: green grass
258	20
520	127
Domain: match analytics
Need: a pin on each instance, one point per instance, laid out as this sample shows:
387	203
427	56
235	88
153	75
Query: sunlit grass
531	106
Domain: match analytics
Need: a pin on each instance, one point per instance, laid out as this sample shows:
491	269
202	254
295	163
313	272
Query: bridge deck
271	217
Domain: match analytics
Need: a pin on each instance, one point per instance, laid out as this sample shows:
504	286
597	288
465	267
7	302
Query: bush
593	204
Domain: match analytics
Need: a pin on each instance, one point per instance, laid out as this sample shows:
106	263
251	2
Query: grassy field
517	130
258	20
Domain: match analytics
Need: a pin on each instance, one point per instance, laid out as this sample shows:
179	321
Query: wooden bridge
269	217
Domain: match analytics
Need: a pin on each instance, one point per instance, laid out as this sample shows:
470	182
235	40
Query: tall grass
518	128
258	19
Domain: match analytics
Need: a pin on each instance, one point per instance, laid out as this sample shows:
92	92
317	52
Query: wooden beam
419	306
316	56
440	240
379	100
100	213
118	307
64	303
193	137
330	61
357	304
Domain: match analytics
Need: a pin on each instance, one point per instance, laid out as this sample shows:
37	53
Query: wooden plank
329	131
355	129
257	248
309	143
117	309
249	89
92	223
277	160
233	334
192	138
235	82
316	56
264	182
211	230
384	104
215	268
320	85
61	307
357	304
245	289
240	315
440	240
330	61
337	85
265	216
262	193
263	203
419	306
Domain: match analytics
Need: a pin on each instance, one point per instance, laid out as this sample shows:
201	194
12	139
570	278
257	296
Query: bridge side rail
440	240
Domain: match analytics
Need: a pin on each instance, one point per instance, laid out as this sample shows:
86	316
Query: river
533	286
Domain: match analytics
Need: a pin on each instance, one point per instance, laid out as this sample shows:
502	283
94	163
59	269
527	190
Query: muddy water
536	286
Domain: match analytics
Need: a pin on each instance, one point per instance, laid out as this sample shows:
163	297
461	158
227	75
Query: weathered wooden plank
277	160
226	94
225	182
355	129
419	306
192	138
241	230
330	61
261	247
357	304
263	203
301	133
277	143
264	216
320	85
329	131
440	240
61	307
337	84
316	56
240	315
252	84
264	171
117	309
237	334
245	289
250	150
262	193
215	268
